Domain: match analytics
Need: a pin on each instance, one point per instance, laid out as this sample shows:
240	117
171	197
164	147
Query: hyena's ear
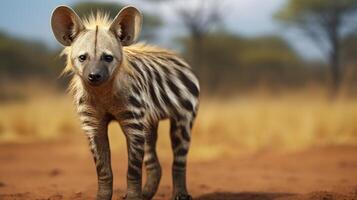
66	25
127	25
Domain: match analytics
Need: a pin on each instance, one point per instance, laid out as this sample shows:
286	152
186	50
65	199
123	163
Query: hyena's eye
82	58
107	58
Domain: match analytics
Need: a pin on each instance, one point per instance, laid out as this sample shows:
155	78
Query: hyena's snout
96	75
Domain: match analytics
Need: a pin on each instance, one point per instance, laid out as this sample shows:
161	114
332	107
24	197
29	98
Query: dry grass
284	122
35	119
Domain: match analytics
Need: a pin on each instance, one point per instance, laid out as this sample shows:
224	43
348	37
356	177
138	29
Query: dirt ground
65	170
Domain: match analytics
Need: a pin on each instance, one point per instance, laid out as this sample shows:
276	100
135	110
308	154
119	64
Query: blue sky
30	19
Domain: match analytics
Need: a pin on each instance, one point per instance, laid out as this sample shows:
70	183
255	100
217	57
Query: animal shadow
242	196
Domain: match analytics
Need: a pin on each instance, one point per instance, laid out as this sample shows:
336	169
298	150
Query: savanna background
278	113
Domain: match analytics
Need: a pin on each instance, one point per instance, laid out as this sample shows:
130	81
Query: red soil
65	170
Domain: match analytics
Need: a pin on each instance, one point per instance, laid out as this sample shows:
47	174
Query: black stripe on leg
137	140
179	164
151	161
131	115
135	126
185	134
136	162
138	150
86	113
94	155
88	123
133	172
181	152
175	141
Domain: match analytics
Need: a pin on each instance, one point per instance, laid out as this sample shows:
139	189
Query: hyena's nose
94	77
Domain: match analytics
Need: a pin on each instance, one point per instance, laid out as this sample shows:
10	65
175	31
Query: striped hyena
135	84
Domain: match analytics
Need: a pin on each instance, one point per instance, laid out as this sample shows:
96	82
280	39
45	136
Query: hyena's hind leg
152	165
180	134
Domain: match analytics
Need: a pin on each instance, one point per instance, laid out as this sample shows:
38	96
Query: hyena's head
94	45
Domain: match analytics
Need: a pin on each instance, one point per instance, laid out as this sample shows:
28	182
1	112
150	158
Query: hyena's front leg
135	137
96	130
152	165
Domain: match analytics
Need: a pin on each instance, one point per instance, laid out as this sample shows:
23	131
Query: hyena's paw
132	197
182	197
152	183
104	196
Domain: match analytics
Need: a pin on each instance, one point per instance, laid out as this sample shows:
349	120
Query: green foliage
349	52
228	58
301	11
233	51
325	22
216	49
150	24
268	52
19	57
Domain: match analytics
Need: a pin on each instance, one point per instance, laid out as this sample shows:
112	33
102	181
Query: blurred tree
230	60
326	22
21	58
350	49
350	60
150	24
199	20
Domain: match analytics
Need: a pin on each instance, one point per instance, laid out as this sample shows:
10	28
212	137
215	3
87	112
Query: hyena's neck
105	96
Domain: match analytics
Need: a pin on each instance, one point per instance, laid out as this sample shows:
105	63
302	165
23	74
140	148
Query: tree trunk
334	57
197	46
197	58
334	62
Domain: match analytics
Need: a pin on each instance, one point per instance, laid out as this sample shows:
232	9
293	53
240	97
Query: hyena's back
163	82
